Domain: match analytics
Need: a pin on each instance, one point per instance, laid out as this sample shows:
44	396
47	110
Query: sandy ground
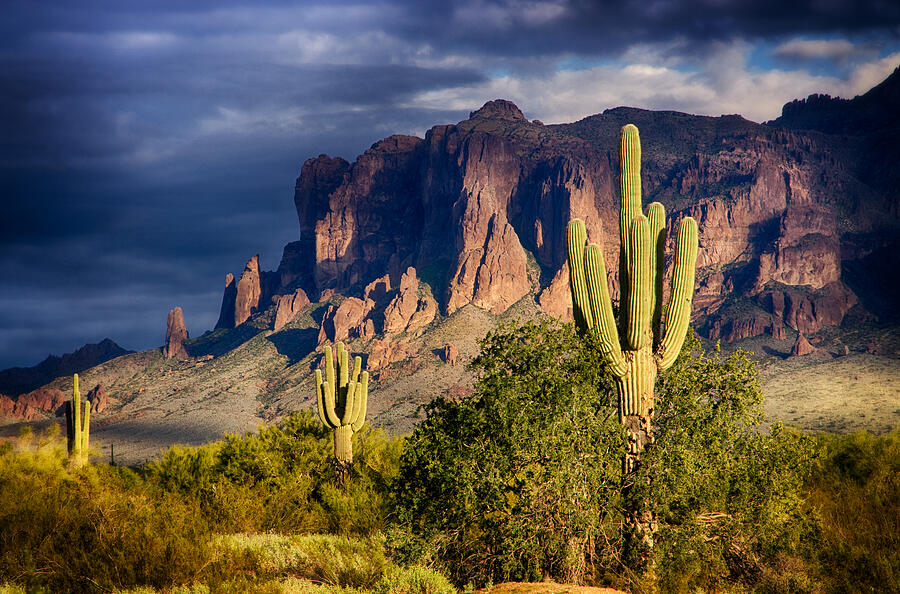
858	391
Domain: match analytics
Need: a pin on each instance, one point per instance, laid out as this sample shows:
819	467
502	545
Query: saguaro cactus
342	398
78	428
636	348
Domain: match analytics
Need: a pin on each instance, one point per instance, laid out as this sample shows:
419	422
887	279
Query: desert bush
728	493
282	478
413	580
67	529
519	481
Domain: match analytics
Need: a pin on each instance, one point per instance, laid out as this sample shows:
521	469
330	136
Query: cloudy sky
149	147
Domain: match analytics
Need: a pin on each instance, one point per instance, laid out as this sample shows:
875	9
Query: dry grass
858	391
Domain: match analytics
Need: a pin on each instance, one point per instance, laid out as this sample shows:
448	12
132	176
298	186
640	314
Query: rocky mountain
422	245
791	220
18	380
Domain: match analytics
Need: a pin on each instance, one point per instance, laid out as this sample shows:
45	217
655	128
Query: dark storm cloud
531	28
146	152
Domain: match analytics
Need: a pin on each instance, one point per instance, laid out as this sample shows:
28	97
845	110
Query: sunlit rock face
478	210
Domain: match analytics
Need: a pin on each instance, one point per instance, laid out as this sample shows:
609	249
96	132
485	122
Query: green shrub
413	580
728	494
282	478
521	480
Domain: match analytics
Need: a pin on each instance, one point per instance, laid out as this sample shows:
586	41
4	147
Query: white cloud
721	83
240	121
832	49
867	75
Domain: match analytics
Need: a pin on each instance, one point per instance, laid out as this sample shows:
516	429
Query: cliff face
478	212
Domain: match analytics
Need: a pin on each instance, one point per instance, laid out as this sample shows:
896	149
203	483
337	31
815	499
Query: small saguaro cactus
636	348
342	397
77	426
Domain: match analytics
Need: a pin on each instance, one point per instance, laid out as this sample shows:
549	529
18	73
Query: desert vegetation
604	452
520	481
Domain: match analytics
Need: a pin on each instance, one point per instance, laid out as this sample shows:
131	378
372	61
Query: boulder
802	347
450	354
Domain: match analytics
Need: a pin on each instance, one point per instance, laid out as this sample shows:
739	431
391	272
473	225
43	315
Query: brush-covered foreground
518	482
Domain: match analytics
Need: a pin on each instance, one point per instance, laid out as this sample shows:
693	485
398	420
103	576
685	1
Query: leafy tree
523	479
727	492
519	481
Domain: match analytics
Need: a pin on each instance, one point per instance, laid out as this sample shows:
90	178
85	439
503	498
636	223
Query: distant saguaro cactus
636	348
78	427
342	397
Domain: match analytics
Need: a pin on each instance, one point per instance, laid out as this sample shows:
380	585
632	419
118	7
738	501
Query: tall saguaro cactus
78	427
342	397
648	336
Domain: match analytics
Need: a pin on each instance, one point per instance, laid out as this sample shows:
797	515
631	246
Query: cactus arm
343	372
601	308
86	431
76	417
357	368
321	387
350	403
656	214
329	370
329	390
70	428
363	399
638	259
629	207
333	419
678	314
351	406
576	238
343	369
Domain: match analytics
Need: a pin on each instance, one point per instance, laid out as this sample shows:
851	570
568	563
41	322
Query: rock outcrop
287	307
807	251
385	352
347	321
247	292
98	398
176	334
226	313
802	347
34	404
408	311
450	354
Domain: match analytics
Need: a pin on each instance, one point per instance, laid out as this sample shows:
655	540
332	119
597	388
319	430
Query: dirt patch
546	588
